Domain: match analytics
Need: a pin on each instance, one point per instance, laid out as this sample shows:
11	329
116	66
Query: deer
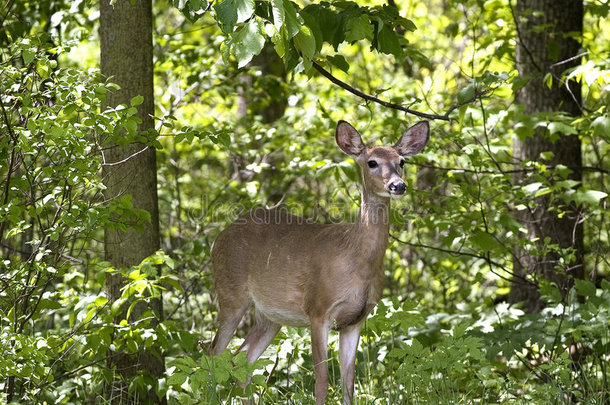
301	273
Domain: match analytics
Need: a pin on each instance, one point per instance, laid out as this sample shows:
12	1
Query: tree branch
520	38
468	254
368	97
11	163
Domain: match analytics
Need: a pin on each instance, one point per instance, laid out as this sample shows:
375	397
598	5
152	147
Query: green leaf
247	42
397	352
132	124
285	49
245	9
46	303
90	314
327	20
226	15
241	374
415	348
407	24
359	27
177	379
589	197
484	241
549	291
467	93
222	138
137	100
388	42
28	56
305	42
285	16
601	126
543	191
231	12
198	379
338	61
585	288
548	80
314	26
561	128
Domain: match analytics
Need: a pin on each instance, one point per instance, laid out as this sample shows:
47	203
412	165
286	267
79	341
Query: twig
561	62
104	163
8	7
361	94
520	37
461	253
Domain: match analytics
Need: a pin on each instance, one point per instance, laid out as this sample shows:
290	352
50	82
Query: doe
300	273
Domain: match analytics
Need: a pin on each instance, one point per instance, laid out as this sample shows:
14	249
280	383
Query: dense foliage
443	332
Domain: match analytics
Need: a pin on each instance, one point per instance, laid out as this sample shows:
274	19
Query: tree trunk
544	47
127	59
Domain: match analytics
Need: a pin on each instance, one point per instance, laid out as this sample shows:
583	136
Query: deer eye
372	164
402	163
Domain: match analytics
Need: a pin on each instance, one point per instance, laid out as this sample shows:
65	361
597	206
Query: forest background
131	133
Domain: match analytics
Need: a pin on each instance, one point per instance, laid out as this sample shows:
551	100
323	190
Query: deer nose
397	187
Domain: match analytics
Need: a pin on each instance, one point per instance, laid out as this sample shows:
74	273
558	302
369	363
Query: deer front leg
259	338
348	346
319	349
256	342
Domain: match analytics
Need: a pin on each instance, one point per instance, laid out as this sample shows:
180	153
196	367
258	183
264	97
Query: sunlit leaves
285	17
54	196
248	41
231	12
298	34
558	127
192	9
589	197
305	43
601	126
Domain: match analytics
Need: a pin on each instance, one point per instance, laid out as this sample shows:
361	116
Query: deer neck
373	224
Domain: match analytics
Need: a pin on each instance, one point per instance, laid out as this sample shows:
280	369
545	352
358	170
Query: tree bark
545	45
127	59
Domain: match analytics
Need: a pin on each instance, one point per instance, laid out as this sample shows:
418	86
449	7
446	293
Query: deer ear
414	139
349	139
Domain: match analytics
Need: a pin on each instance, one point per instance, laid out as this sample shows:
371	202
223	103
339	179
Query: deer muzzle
397	187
